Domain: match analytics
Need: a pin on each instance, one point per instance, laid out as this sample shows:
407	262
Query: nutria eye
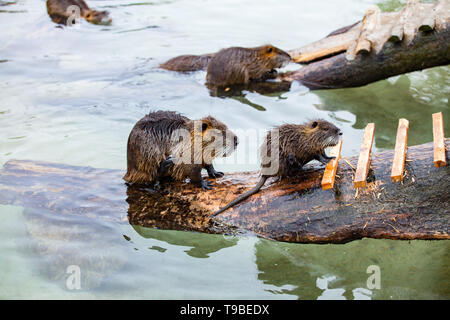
88	16
314	124
269	50
204	126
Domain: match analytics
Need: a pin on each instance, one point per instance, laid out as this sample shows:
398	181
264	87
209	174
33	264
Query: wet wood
439	138
293	210
381	46
362	169
398	164
329	174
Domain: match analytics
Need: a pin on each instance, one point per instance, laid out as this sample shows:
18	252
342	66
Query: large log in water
293	210
382	45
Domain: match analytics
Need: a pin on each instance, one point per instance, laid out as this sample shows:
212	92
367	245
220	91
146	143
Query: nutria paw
212	173
205	185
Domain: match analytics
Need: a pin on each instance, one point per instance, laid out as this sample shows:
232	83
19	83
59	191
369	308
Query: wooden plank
331	168
398	164
439	143
363	166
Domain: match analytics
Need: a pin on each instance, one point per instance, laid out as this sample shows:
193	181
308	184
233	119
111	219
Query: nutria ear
269	50
314	124
204	126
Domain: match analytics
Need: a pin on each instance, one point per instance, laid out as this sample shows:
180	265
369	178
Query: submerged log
293	210
382	45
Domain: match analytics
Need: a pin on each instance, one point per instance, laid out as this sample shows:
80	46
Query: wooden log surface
293	210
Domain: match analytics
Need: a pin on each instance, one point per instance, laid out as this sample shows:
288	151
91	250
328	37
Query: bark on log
293	210
381	46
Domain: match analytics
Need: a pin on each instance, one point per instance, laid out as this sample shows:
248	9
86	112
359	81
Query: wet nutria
297	145
60	11
167	144
236	65
186	63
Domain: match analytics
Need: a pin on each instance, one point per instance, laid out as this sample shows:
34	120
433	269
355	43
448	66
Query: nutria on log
167	144
60	11
297	145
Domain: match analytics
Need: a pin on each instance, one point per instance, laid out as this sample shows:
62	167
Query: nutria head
273	57
200	141
321	133
98	17
217	139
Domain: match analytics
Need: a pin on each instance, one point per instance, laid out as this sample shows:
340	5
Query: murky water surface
72	95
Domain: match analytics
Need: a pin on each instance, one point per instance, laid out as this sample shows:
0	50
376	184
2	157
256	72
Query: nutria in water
236	65
62	11
167	144
297	145
187	63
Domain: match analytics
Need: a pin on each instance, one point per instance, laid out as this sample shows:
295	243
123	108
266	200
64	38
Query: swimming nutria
238	65
186	63
60	12
297	145
155	149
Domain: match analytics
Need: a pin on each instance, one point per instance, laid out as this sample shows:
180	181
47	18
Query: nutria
187	63
238	65
297	145
60	11
167	144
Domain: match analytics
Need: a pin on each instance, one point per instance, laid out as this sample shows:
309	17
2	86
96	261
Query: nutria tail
187	63
243	196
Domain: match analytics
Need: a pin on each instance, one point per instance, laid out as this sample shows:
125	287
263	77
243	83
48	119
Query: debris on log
439	140
398	164
331	168
362	169
291	210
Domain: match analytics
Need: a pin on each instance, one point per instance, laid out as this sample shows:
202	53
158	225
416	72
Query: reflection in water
202	245
238	92
63	240
340	271
384	102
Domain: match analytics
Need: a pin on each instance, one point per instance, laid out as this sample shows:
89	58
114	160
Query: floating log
292	210
381	46
363	166
439	138
398	164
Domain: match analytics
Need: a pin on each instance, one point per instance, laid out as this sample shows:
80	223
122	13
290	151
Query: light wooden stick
363	166
331	168
438	137
398	164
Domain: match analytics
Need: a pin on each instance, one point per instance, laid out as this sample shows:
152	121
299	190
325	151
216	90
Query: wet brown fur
238	65
57	10
150	143
305	141
298	145
187	63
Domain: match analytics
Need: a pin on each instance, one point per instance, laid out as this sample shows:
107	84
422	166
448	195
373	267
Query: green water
72	96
